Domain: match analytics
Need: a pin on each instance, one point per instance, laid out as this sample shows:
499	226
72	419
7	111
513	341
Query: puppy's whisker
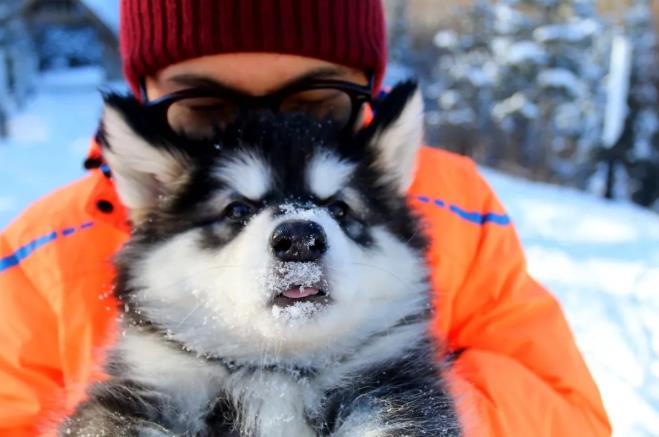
380	269
191	274
384	296
414	235
194	310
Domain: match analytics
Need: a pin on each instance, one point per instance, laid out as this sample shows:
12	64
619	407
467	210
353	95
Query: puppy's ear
396	132
143	170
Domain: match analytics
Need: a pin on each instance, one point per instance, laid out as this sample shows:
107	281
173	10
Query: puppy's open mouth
296	282
301	293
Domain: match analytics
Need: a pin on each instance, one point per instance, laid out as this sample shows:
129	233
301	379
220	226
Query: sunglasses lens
201	117
322	103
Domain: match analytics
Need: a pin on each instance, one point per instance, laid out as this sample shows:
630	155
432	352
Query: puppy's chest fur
266	403
202	397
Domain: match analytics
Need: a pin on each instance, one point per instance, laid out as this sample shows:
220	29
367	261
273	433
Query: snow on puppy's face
279	240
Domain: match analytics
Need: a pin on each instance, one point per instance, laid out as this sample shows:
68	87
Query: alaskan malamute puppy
275	282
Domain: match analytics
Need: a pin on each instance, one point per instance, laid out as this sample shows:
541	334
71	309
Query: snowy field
601	259
49	139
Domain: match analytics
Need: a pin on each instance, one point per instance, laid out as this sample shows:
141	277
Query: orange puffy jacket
518	371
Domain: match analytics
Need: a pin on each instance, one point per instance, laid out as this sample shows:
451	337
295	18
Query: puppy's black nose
299	240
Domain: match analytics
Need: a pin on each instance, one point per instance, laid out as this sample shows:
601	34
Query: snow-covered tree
641	135
18	61
398	31
527	76
463	83
628	164
400	42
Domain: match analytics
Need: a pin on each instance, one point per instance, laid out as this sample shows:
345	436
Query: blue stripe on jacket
472	217
25	251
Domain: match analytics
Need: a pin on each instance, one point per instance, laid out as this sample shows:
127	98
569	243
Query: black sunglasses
200	112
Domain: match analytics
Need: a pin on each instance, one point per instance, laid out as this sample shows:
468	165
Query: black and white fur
204	351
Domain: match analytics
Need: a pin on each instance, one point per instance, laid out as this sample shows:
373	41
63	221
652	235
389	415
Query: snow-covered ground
49	138
601	259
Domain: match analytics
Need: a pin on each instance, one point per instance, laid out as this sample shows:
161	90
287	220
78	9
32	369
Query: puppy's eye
238	211
339	209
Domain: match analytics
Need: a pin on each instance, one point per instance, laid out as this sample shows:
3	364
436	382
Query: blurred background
557	100
563	91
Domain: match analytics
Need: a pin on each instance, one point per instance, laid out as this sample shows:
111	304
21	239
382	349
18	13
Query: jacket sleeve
30	372
520	372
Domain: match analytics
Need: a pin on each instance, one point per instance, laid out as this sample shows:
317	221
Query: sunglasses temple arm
144	98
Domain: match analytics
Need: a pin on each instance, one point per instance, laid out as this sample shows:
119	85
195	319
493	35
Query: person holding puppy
515	368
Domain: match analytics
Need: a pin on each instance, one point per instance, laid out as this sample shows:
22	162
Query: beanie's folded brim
159	33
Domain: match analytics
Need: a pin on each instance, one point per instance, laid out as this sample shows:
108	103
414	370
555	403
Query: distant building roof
107	11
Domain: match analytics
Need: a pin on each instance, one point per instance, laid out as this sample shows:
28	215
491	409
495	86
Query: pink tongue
300	292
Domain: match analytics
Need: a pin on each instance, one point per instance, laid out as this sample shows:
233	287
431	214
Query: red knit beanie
158	33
